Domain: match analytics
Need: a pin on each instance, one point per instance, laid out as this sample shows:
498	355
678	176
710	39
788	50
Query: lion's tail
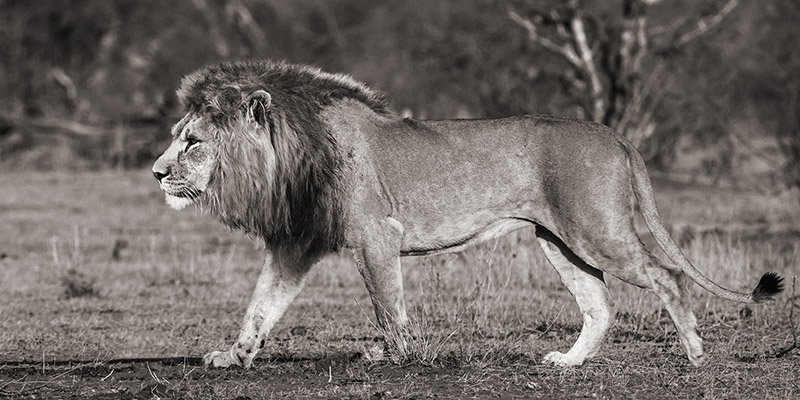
770	283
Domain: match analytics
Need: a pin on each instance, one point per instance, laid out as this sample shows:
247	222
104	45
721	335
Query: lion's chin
177	203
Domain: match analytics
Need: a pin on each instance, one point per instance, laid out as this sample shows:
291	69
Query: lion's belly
455	234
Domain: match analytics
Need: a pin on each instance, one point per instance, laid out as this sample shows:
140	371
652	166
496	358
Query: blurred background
708	90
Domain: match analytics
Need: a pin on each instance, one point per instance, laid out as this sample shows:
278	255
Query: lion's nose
160	174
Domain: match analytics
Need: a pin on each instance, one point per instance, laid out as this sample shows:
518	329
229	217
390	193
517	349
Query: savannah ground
107	293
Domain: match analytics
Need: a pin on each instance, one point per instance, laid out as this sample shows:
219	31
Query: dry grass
96	268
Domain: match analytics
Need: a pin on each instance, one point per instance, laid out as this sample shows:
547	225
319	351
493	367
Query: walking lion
313	162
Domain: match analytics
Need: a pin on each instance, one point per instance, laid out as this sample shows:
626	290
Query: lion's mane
283	185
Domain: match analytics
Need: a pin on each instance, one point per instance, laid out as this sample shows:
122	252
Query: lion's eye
190	142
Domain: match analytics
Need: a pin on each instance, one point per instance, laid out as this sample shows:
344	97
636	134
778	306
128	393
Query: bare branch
74	128
560	27
641	40
636	121
563	50
238	11
704	25
668	29
570	76
589	67
332	24
579	54
214	32
66	82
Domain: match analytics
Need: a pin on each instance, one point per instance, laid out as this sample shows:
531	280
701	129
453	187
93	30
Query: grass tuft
417	343
78	284
74	281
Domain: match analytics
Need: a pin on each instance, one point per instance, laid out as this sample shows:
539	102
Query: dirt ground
349	376
106	293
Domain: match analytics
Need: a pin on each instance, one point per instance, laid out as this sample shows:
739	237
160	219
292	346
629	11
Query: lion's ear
257	104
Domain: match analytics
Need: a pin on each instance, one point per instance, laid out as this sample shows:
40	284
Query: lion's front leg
279	283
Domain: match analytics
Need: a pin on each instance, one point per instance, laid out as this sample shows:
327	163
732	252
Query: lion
312	162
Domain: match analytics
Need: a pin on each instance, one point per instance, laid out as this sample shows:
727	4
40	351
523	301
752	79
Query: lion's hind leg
629	260
587	286
667	284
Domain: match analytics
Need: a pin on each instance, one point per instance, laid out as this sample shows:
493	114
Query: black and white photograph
408	199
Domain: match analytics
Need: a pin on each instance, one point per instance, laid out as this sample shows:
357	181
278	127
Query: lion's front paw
698	359
222	359
561	360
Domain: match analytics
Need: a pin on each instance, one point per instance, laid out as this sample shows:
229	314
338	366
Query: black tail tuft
769	285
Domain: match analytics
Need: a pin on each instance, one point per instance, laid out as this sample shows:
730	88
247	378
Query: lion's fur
280	185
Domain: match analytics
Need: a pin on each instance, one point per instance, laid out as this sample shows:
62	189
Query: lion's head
203	142
253	151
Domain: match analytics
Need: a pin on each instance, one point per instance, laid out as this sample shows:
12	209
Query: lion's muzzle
160	175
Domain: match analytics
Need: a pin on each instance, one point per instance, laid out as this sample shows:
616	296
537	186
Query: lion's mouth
187	193
181	191
181	196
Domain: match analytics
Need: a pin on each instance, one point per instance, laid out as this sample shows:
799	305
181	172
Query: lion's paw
698	360
221	359
561	359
